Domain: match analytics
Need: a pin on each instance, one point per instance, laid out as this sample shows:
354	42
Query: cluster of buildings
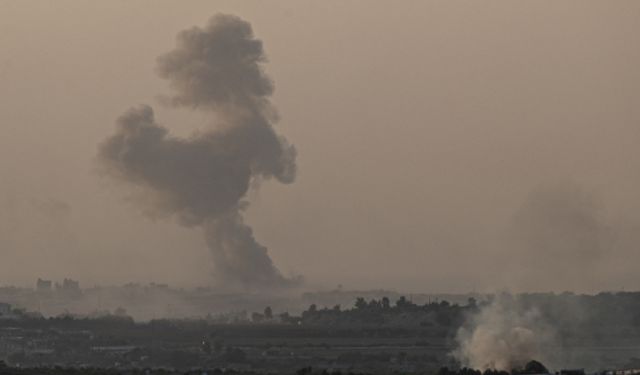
68	285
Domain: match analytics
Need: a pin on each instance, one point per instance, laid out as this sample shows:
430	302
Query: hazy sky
442	146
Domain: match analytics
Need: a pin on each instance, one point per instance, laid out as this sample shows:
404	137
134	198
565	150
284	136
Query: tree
257	317
471	302
361	304
402	302
375	304
285	317
385	303
535	367
268	313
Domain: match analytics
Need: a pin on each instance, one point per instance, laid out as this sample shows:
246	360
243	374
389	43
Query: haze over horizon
451	148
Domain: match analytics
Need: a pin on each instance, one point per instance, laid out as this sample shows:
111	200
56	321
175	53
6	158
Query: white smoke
504	335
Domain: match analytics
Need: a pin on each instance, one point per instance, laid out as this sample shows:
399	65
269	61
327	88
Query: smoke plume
557	235
503	335
203	180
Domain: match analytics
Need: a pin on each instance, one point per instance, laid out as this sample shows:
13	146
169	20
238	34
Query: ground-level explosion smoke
203	180
503	335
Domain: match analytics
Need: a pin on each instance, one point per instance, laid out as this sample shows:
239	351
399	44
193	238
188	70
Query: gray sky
442	146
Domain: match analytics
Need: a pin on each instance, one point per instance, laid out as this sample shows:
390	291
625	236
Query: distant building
71	285
43	285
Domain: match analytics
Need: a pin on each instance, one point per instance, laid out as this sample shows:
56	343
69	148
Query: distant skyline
442	146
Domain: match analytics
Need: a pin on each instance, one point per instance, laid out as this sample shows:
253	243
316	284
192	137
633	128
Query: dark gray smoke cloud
203	180
219	65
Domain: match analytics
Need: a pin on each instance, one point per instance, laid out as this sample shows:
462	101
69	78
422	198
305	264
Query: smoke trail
203	180
503	335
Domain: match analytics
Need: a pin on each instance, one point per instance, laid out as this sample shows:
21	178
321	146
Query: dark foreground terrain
372	336
531	368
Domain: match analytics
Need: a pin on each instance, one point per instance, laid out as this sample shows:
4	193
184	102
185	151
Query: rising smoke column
504	335
556	238
203	180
